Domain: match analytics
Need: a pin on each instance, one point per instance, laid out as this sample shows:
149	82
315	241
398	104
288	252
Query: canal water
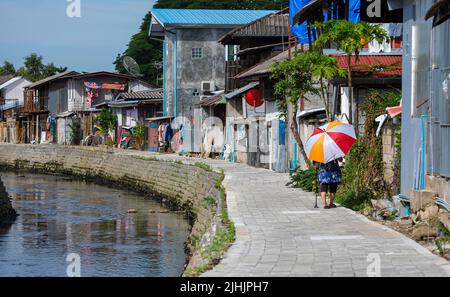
60	217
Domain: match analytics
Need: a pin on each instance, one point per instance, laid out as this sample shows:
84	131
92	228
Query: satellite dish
131	66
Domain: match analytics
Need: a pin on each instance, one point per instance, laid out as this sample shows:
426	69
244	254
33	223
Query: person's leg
323	195
332	196
333	190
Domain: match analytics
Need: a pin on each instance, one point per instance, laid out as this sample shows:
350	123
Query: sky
88	43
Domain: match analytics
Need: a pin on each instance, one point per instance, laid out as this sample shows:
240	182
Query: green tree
51	69
294	80
323	68
34	69
34	66
7	68
147	53
350	38
105	122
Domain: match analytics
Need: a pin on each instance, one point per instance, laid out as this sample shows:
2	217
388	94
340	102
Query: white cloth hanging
384	47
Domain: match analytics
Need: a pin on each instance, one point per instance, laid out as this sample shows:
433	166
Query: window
231	52
197	53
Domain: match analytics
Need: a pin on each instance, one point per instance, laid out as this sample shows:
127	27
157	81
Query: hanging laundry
384	47
167	136
93	85
395	30
161	134
114	86
168	133
181	139
91	94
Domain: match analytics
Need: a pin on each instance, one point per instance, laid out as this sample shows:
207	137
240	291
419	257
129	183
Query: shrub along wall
195	189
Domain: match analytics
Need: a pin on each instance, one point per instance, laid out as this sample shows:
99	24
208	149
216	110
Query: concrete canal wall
189	187
6	210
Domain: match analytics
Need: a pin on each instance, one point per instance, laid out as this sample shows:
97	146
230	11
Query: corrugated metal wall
440	101
424	95
433	90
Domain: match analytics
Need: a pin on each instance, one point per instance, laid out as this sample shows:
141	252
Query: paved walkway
279	233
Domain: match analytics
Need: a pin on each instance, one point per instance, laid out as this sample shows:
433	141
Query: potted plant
106	122
139	136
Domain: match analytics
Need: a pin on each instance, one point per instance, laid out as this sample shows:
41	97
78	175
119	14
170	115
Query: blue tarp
298	30
354	15
301	30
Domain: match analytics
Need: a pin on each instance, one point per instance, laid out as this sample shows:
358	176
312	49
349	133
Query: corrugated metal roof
207	16
272	25
111	74
132	103
373	65
123	104
5	78
10	81
256	49
440	11
212	101
242	90
265	66
149	94
310	112
51	78
66	114
104	73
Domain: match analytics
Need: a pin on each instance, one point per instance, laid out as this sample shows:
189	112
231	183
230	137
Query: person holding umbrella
326	145
329	178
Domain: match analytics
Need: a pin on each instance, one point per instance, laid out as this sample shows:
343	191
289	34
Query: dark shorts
329	188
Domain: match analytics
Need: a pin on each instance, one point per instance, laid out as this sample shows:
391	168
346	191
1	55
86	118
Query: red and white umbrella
330	142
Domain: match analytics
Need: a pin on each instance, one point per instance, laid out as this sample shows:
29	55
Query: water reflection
59	216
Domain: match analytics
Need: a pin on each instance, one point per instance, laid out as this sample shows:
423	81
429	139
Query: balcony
34	104
8	107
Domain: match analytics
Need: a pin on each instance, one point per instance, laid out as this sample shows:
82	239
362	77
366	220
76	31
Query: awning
132	103
159	118
212	101
310	112
394	111
66	114
301	15
101	104
241	90
439	11
122	104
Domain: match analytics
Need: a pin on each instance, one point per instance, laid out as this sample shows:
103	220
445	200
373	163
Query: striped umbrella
330	142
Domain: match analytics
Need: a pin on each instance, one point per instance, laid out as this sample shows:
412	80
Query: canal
59	216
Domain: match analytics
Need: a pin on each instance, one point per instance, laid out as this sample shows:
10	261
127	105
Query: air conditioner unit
208	87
